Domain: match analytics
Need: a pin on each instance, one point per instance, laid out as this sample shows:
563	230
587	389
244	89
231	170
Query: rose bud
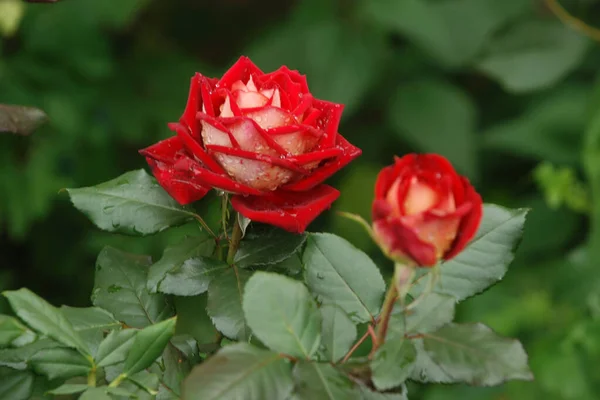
423	210
262	137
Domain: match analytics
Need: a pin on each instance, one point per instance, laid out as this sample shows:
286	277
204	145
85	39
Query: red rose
262	137
423	210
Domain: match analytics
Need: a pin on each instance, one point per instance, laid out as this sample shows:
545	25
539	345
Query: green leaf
534	55
115	347
120	287
437	117
96	393
69	388
282	314
425	369
148	345
90	323
18	358
10	329
368	394
339	273
60	363
225	296
434	311
240	371
393	363
338	332
175	257
132	204
192	319
315	381
475	354
193	277
117	391
15	385
45	318
271	247
486	259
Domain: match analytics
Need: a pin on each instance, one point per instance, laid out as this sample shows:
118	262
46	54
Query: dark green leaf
240	371
177	367
19	357
282	314
192	319
132	204
10	329
437	117
314	381
393	363
290	266
117	391
476	355
148	345
225	296
96	393
486	259
90	323
269	248
15	385
434	311
69	388
115	347
534	55
339	273
45	318
338	332
174	257
60	363
120	287
193	277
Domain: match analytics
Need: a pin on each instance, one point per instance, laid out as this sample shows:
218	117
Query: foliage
498	87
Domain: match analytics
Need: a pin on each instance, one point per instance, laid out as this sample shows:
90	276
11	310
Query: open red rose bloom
262	137
423	210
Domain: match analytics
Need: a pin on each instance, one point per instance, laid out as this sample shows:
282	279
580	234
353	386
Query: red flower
423	210
262	137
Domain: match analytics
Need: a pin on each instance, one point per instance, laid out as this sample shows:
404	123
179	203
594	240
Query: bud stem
236	236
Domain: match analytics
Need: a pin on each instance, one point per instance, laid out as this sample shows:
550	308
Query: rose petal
271	117
402	242
470	222
290	211
250	99
194	148
242	70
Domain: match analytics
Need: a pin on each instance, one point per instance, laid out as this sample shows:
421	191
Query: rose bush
423	210
262	137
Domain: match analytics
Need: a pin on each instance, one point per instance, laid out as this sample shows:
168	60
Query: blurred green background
501	87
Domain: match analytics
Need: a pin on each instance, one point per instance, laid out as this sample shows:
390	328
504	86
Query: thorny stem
386	312
236	236
356	345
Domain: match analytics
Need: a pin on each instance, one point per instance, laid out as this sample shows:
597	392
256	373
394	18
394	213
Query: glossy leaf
175	257
475	354
15	385
434	311
338	332
10	329
393	363
338	273
316	381
132	204
240	371
193	277
60	363
18	358
225	296
193	320
282	314
120	287
90	323
115	347
148	345
45	318
469	273
270	247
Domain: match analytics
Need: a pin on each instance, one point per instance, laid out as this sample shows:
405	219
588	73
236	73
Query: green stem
386	312
91	378
224	212
236	237
118	381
